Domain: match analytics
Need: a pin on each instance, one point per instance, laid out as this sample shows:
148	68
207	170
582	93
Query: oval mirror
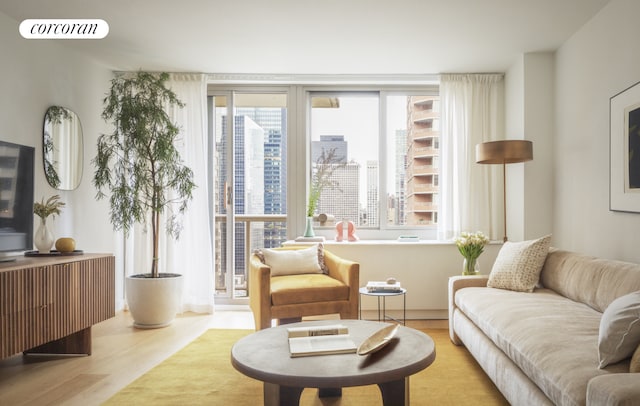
62	144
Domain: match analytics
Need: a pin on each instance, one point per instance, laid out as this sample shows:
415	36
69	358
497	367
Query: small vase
470	266
308	232
43	238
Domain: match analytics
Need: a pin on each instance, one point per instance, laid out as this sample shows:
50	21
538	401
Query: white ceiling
317	37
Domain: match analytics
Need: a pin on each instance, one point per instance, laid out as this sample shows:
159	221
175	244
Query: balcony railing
240	273
425	134
422	170
417	207
425	100
423	116
424	188
425	152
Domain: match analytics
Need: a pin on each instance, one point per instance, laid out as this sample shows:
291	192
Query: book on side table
320	340
383	287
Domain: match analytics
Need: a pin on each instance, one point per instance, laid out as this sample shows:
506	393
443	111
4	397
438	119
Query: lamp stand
504	198
504	152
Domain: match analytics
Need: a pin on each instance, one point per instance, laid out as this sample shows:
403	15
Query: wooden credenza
48	304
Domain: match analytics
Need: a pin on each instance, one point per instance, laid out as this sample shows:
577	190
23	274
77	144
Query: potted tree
140	167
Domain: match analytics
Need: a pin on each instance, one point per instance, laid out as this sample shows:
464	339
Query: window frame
299	89
384	231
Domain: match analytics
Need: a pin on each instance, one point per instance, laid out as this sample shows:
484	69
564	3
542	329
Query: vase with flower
43	238
322	177
471	245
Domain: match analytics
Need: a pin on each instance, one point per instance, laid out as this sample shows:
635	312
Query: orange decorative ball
66	244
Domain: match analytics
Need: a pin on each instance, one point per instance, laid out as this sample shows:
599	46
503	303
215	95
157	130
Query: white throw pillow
292	262
518	265
619	329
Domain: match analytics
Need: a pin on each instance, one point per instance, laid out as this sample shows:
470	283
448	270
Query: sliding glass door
249	176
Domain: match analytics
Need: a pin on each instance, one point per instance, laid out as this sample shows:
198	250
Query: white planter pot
154	302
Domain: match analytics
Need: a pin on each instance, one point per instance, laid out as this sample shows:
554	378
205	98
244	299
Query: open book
320	340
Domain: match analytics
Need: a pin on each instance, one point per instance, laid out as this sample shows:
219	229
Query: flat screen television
16	197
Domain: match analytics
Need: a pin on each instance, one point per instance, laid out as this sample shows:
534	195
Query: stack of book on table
383	287
320	340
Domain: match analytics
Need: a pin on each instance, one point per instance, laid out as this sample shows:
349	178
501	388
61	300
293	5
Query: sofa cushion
594	281
308	288
552	339
518	265
619	329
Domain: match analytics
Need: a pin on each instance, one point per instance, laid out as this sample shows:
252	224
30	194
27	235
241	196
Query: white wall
36	74
529	94
515	129
598	62
423	268
539	128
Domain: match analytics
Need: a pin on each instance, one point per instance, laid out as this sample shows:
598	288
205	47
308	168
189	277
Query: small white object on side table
382	297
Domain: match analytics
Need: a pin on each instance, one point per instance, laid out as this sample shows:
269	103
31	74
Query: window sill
380	242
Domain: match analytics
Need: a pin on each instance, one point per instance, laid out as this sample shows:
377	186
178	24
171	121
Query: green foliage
325	165
51	207
53	115
138	162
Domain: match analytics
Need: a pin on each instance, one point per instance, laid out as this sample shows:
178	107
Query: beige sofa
541	348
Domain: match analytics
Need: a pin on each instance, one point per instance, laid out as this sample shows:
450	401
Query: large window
376	150
375	155
344	155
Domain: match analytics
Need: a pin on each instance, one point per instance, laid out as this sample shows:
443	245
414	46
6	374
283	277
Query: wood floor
121	354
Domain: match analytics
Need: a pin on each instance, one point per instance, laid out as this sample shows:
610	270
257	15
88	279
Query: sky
357	120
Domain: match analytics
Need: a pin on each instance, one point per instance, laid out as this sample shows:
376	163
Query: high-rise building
423	132
400	182
342	200
373	196
328	143
248	191
274	122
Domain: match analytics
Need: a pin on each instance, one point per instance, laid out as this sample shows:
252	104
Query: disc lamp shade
504	152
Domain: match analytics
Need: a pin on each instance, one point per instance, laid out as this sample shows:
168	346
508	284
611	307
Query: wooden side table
382	297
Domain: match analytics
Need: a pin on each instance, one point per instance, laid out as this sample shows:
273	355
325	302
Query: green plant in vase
471	246
323	169
43	238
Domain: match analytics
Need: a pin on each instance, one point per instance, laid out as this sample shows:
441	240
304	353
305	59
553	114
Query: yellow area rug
201	374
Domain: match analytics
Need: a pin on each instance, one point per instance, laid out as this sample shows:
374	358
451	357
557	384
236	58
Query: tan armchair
296	296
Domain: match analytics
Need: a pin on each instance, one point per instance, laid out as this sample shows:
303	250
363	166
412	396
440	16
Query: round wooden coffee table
264	356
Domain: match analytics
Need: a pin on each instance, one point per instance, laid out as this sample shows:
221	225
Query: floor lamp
504	152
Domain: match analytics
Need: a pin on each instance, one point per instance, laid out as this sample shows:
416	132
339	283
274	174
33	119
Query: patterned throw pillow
518	265
307	264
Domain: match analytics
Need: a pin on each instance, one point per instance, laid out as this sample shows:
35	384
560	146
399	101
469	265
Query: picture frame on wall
624	150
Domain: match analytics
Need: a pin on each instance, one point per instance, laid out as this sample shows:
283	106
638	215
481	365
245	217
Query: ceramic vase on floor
43	238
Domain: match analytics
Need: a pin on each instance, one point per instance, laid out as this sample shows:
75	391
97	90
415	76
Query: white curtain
472	112
192	254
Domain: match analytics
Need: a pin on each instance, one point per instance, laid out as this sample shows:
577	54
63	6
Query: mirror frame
62	148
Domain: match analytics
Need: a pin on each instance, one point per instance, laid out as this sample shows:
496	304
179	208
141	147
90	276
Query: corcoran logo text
64	29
